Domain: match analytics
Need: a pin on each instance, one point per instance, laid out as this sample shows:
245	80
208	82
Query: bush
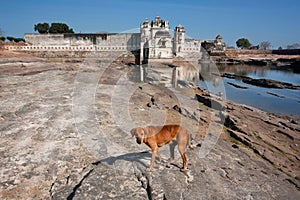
60	28
19	40
9	38
41	28
243	43
13	39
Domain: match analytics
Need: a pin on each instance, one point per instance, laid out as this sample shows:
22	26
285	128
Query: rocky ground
65	135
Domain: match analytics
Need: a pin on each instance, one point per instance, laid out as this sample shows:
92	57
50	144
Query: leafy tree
2	38
280	48
18	40
293	46
265	45
9	38
60	28
243	43
41	28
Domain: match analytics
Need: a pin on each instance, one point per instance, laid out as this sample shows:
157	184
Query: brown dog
157	136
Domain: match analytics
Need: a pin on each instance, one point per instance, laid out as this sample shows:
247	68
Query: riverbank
64	135
283	59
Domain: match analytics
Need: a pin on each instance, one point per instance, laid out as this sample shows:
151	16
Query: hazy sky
275	21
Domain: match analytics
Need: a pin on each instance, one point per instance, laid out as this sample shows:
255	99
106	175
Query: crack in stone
149	189
51	188
71	196
145	181
293	183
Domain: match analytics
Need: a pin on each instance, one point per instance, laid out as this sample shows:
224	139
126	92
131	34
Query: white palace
153	43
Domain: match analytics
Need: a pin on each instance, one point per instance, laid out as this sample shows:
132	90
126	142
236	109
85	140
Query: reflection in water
185	74
207	76
176	77
245	70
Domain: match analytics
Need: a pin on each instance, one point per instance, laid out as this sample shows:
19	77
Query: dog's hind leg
181	149
158	155
172	153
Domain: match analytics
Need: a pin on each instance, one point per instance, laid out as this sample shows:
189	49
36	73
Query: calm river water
279	101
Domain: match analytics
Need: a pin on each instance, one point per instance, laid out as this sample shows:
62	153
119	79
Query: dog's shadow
143	158
129	157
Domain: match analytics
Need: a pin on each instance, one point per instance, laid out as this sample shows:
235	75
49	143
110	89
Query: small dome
146	21
219	37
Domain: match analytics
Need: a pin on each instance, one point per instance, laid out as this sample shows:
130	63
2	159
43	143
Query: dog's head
139	134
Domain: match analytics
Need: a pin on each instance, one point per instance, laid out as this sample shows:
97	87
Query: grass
233	139
256	135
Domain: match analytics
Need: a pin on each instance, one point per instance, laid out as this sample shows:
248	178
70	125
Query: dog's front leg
152	159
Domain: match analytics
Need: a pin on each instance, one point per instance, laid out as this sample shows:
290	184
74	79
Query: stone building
183	46
158	45
156	41
216	46
153	43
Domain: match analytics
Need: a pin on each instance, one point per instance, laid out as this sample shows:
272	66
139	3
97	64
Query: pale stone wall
46	39
189	46
81	42
161	48
50	48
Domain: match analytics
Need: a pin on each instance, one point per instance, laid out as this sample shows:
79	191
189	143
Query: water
284	102
278	101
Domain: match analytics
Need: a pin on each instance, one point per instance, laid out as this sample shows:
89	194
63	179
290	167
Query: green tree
41	28
18	40
243	43
60	28
265	45
9	38
2	38
280	48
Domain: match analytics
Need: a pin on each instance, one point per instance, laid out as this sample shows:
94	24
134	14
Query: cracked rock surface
58	143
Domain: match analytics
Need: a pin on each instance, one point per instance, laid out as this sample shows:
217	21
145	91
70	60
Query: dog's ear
132	132
143	132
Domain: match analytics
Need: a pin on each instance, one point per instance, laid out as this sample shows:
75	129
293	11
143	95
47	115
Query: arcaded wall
97	41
